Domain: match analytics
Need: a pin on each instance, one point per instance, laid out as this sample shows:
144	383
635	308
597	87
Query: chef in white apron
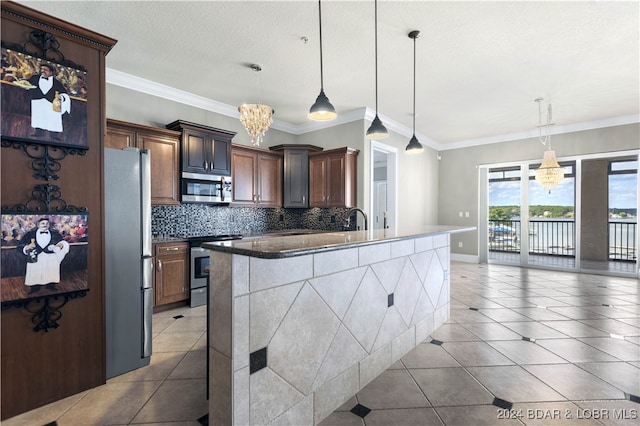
49	101
45	250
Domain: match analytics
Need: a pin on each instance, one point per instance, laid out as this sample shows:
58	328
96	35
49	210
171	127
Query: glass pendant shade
377	129
550	173
256	118
322	109
414	146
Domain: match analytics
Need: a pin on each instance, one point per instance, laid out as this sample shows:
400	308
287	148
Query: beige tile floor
558	348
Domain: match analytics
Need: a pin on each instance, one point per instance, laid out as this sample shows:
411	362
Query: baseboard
467	258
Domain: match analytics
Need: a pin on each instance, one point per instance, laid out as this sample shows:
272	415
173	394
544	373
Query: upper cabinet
256	177
332	178
164	146
295	189
204	149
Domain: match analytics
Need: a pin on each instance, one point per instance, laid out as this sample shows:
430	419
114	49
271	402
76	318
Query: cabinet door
195	155
165	179
269	180
335	181
244	166
296	178
119	138
317	181
221	156
172	279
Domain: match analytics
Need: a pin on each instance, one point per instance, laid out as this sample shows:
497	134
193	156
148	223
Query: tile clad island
301	323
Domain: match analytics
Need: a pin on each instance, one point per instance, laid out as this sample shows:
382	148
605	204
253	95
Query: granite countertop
293	244
158	240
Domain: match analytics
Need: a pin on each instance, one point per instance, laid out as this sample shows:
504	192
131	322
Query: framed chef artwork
43	255
43	101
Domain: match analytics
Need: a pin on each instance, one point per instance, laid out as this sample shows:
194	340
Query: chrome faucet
347	224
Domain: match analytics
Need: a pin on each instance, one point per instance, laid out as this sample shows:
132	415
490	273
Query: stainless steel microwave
208	189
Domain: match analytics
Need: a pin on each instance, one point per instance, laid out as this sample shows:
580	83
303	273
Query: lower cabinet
171	277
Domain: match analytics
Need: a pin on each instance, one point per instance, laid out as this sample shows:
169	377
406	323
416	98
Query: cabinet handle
173	248
303	199
213	150
159	265
206	165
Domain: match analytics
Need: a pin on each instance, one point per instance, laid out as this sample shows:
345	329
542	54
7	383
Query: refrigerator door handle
147	306
145	194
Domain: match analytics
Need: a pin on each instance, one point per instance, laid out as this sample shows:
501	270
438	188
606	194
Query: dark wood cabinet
204	149
295	178
171	277
256	176
164	146
118	137
332	178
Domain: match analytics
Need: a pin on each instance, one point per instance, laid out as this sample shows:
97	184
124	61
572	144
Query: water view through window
549	236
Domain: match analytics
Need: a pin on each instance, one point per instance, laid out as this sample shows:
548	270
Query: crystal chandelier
550	173
256	118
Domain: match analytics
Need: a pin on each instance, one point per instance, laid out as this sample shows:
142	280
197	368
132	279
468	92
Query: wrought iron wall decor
44	114
45	310
44	258
44	95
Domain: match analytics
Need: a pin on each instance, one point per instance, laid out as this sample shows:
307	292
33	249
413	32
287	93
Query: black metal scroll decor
46	47
45	310
45	198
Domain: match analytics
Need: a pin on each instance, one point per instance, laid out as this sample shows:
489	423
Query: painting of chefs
44	250
42	101
49	101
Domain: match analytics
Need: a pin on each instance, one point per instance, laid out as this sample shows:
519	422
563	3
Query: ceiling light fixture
256	118
321	110
414	146
377	129
549	174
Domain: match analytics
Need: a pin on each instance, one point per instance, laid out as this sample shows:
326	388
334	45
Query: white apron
47	269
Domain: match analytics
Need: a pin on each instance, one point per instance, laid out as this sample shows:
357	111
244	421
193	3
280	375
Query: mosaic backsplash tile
195	220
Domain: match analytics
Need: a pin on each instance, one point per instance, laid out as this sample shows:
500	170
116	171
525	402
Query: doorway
383	197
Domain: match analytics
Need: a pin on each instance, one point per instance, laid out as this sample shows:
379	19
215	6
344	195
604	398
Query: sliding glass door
588	222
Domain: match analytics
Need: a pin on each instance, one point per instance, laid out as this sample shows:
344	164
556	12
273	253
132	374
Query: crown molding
555	130
149	87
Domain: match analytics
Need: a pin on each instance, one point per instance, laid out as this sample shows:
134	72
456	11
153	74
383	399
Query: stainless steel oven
200	266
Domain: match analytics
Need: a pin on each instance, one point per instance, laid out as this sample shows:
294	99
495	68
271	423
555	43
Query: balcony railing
622	241
557	238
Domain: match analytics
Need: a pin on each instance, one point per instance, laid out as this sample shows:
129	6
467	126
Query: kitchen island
301	323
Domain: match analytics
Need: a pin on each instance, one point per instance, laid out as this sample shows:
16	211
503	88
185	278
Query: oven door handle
199	250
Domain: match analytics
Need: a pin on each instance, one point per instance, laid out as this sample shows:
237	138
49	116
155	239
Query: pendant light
377	129
414	146
549	174
321	110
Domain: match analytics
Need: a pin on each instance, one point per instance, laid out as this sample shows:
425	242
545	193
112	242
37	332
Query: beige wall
458	177
595	212
136	107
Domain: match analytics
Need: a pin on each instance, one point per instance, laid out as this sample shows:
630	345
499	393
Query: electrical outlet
333	218
459	243
460	214
466	214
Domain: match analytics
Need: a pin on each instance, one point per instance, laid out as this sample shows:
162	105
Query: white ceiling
480	65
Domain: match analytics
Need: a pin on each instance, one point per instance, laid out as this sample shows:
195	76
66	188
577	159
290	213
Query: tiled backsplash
194	220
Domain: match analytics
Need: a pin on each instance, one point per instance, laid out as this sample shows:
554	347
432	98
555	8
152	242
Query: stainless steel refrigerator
128	289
